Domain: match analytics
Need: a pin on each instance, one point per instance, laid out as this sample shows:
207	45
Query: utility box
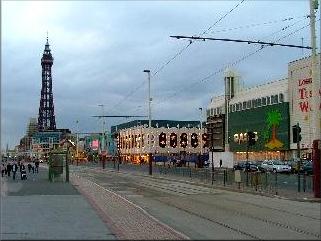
56	164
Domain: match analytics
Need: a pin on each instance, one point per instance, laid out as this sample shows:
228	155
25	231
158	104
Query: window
238	106
212	111
258	102
268	101
208	113
263	101
248	104
276	99
281	97
254	103
234	107
272	99
244	105
230	109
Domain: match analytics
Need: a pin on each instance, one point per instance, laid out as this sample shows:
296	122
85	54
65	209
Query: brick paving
126	219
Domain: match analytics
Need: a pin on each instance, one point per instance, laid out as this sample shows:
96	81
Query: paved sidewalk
37	209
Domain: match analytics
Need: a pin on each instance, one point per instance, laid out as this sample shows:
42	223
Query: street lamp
201	120
149	123
77	157
103	129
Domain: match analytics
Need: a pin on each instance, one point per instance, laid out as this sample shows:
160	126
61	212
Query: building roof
266	89
155	124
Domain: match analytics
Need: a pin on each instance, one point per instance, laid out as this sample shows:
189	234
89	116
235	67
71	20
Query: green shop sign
269	123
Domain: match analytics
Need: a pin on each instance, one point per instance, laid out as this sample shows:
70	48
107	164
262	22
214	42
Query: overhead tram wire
242	41
127	96
257	24
204	32
229	65
175	56
191	42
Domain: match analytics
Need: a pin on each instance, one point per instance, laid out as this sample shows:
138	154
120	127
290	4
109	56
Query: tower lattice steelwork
46	118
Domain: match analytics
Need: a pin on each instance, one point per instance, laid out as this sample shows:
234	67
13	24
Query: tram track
221	207
176	190
225	225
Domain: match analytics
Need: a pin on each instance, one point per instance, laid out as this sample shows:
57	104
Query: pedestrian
14	170
9	169
23	172
29	167
37	166
220	162
33	169
3	169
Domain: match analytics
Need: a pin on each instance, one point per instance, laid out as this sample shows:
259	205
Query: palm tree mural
273	121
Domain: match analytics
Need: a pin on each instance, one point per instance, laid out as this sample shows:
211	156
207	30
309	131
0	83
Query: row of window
256	103
250	104
137	141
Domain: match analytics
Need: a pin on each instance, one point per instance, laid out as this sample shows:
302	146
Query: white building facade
270	110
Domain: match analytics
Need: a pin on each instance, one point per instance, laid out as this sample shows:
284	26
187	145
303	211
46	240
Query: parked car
307	168
250	167
275	166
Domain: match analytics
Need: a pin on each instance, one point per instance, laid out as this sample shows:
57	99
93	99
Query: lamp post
315	115
77	140
149	123
201	120
103	128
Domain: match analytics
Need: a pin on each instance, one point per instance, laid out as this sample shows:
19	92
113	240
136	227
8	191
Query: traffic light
296	130
183	140
251	138
173	140
194	140
205	140
162	140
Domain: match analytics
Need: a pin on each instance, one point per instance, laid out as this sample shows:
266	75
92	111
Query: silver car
275	166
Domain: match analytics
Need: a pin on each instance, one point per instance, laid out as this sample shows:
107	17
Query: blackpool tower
46	118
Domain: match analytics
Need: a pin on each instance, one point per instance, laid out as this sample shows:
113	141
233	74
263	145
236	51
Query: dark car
243	166
307	168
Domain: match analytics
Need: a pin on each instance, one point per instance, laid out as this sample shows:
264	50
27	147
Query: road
202	212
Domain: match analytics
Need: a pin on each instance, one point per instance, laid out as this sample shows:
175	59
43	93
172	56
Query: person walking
14	170
37	166
3	169
221	162
29	167
9	168
23	172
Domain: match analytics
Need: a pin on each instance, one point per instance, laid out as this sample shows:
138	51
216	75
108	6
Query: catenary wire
174	57
228	65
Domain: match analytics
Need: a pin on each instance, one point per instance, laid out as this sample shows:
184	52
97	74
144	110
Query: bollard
224	177
276	183
304	181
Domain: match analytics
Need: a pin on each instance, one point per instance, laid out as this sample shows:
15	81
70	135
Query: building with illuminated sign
165	138
269	110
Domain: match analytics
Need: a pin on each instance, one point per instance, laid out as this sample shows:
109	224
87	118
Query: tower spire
47	49
46	118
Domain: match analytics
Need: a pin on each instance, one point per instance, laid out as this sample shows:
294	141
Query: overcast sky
101	48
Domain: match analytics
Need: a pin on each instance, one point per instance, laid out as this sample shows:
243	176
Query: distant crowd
12	167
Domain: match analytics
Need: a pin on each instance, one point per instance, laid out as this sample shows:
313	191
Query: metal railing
268	182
